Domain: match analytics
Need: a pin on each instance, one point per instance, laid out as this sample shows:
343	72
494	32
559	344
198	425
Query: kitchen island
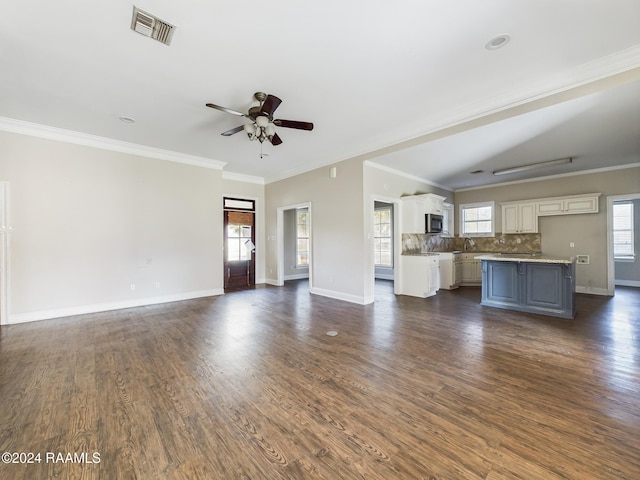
529	283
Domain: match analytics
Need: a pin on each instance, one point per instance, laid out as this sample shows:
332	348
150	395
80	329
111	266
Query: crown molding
69	136
241	177
400	173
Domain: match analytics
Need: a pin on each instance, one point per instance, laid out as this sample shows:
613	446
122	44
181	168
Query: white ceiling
406	84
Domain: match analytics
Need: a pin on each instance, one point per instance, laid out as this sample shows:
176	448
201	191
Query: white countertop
525	257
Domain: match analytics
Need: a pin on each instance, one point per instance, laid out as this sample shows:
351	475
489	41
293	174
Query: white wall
337	227
89	223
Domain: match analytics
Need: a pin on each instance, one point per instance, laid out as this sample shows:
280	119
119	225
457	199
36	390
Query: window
302	237
383	238
623	246
477	220
238	239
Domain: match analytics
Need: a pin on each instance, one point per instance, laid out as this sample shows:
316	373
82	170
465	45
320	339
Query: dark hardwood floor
250	386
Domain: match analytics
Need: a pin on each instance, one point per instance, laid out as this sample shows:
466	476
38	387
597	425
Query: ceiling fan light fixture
262	126
250	130
270	130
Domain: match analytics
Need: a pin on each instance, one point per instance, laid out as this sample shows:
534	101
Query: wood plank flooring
249	386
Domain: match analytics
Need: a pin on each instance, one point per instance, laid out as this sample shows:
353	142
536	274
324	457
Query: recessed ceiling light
498	42
127	119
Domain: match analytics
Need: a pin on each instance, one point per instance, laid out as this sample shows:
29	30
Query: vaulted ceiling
407	84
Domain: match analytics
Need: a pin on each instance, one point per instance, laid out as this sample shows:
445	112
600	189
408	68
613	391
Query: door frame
254	234
611	264
5	229
280	242
397	242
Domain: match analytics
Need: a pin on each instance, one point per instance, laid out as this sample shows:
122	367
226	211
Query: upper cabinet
569	205
415	207
434	203
522	216
413	210
519	218
448	220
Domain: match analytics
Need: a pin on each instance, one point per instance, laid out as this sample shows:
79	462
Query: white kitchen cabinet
519	217
471	269
568	205
420	275
457	270
434	203
448	220
414	209
450	270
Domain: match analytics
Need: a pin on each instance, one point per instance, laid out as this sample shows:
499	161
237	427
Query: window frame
461	210
299	237
388	208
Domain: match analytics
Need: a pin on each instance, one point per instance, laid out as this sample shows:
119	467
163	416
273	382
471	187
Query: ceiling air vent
150	26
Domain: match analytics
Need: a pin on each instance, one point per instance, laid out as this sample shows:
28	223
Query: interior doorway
623	271
294	243
239	244
386	242
4	252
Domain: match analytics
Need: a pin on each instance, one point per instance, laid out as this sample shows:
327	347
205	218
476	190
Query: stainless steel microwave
433	223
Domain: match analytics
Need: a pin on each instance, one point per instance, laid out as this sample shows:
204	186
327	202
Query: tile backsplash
413	243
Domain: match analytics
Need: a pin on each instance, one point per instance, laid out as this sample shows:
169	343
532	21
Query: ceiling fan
262	126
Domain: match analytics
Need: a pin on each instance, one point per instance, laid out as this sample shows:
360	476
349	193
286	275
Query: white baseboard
296	276
341	296
105	307
627	283
385	276
592	290
272	281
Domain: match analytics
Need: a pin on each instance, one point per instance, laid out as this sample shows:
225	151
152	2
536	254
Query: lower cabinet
502	284
457	270
420	275
470	269
543	288
450	270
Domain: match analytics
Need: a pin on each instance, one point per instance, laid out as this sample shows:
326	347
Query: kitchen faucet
471	243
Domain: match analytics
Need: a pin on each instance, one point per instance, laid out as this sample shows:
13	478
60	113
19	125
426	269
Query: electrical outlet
583	259
133	287
572	244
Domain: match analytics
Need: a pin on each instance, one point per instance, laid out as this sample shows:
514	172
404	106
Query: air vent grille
151	26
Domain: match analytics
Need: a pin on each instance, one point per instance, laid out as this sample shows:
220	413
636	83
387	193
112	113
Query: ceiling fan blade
225	109
270	104
294	124
232	131
276	140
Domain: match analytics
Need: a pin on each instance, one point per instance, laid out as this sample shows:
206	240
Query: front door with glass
239	250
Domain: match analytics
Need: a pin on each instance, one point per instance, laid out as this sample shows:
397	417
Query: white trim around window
477	219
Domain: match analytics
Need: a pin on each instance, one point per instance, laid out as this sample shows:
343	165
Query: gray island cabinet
529	283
